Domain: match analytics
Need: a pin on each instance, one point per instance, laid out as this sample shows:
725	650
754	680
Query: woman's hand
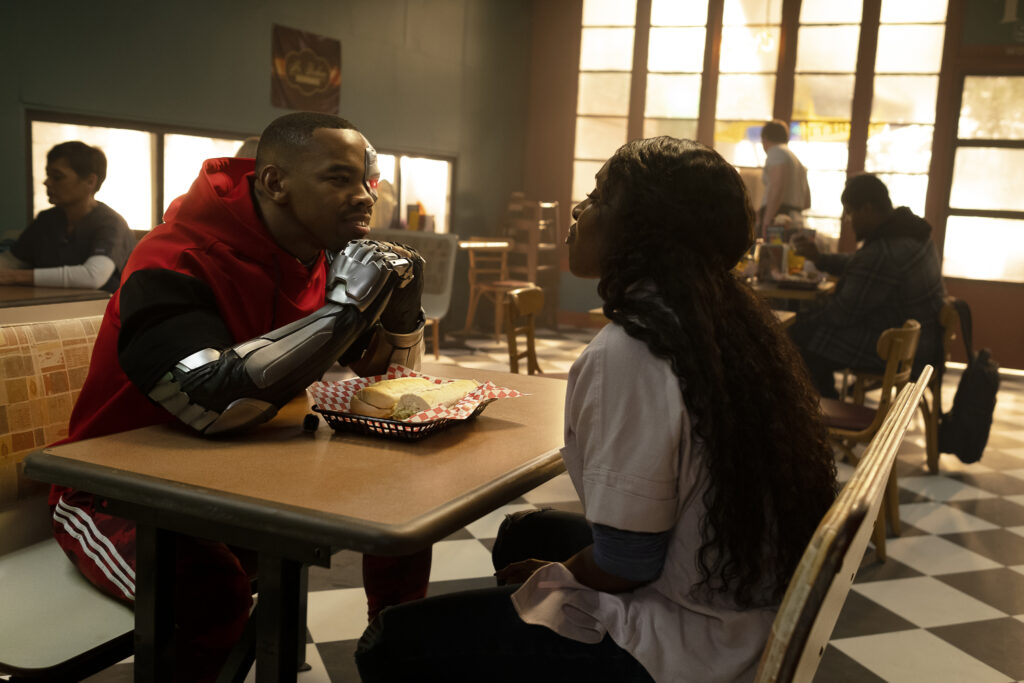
518	572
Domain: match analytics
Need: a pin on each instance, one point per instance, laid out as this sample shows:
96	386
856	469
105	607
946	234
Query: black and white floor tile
947	606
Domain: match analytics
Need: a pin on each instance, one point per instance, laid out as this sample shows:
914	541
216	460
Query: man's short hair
866	189
82	159
290	133
775	131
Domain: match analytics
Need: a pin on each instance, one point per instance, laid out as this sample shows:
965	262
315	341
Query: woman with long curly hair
693	438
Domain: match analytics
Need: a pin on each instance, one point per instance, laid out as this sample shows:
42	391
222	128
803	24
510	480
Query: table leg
154	603
277	652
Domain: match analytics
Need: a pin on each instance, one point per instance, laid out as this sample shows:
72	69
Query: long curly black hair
681	219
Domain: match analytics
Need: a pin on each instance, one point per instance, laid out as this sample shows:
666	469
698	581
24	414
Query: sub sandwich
401	398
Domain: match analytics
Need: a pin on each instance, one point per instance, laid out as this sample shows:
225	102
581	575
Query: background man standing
786	192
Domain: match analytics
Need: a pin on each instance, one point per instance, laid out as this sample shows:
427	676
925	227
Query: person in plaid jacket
893	276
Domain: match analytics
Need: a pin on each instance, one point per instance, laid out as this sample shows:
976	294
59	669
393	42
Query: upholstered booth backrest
42	369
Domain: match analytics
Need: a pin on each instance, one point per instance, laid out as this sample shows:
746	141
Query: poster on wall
305	71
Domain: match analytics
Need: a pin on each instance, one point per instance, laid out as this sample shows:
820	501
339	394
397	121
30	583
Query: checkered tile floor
948	605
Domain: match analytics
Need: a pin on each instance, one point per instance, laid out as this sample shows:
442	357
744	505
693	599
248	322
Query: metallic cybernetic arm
219	391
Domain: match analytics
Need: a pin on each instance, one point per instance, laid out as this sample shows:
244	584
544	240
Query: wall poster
305	71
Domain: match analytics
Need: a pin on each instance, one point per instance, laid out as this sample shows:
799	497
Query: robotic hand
216	391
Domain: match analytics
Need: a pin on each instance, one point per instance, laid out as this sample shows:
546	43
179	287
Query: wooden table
20	304
770	290
298	497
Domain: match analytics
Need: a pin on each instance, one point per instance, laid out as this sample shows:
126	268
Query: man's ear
274	183
94	182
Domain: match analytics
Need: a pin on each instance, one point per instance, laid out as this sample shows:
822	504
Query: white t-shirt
632	458
795	191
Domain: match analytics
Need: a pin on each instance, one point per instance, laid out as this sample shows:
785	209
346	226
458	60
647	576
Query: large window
132	187
826	63
602	105
748	60
985	228
899	147
675	60
415	191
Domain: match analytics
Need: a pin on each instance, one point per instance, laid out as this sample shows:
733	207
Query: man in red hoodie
219	321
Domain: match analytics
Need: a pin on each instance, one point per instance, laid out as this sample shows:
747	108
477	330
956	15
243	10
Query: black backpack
964	430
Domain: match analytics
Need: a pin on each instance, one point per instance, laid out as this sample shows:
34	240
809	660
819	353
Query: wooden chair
521	309
535	230
489	279
54	625
439	251
931	410
823	577
850	423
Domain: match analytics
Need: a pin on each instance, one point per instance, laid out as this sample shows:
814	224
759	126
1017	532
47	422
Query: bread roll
446	394
378	400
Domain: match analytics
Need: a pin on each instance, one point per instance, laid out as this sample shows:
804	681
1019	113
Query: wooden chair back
521	309
822	580
897	346
488	264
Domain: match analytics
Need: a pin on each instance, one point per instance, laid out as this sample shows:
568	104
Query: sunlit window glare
128	187
183	158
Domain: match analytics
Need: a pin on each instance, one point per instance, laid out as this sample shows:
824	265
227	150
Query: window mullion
638	80
709	77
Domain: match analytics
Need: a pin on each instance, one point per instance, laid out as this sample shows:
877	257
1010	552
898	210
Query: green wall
444	77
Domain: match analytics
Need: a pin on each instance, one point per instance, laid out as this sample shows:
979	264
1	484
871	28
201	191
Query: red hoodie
212	234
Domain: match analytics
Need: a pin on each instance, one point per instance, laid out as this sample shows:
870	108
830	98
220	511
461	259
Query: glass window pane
742	12
386	164
606	49
128	188
893	56
991	108
827	49
903	12
672	96
906	189
603	93
826	226
746	97
598	138
609	12
904	99
895	147
426	182
749	50
822	97
677	128
826	189
987	178
184	156
830	12
676	49
739	142
583	182
968	248
823	147
675	13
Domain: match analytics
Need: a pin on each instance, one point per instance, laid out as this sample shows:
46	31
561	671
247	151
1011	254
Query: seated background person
80	242
893	276
221	320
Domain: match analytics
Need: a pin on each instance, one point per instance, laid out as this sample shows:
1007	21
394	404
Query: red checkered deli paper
336	396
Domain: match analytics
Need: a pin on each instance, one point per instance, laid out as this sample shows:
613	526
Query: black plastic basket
389	429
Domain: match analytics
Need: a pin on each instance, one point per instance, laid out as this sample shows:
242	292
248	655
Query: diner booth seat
54	625
822	580
850	423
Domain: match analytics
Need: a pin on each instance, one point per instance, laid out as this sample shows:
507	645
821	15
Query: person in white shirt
693	438
786	192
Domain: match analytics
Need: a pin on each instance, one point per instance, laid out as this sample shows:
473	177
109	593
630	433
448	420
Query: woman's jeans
478	636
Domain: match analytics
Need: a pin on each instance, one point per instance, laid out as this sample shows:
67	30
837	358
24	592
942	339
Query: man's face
332	187
863	221
586	236
64	187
